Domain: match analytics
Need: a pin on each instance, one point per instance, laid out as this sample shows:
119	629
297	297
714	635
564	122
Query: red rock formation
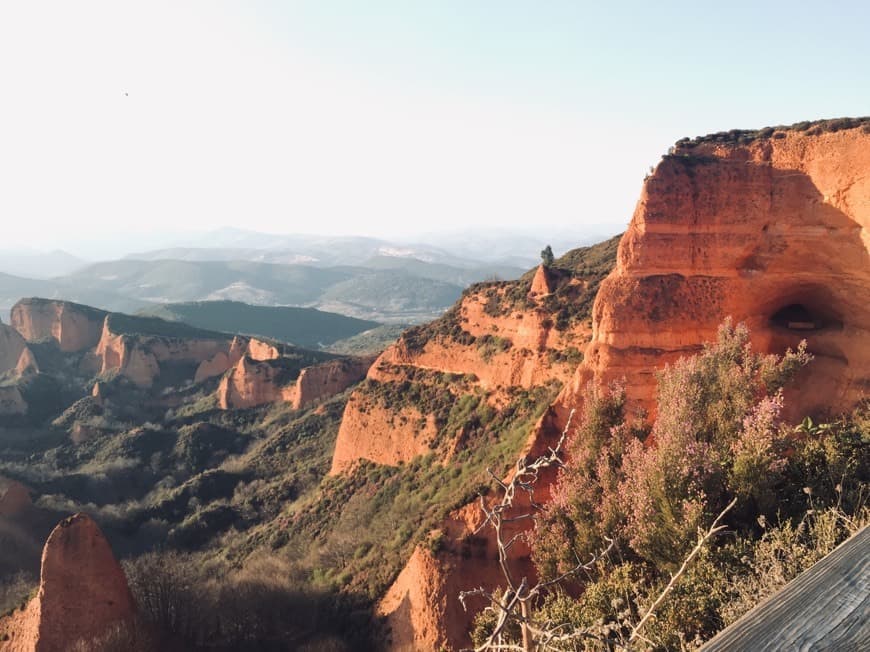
422	605
773	233
541	283
259	350
256	382
252	383
215	366
224	361
373	432
82	592
14	354
519	349
14	497
138	357
74	327
328	379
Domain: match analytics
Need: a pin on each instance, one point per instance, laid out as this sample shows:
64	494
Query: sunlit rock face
72	326
773	233
254	382
82	592
522	349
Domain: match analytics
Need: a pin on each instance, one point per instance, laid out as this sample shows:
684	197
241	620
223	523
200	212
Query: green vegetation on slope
122	324
304	327
369	342
223	493
569	303
391	292
358	531
719	436
94	314
746	136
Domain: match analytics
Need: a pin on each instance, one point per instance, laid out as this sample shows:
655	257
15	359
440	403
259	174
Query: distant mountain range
470	247
38	264
366	278
463	250
393	290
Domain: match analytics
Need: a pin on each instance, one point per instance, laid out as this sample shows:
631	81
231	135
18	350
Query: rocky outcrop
494	352
774	232
14	497
124	354
256	382
771	230
74	327
260	350
374	432
222	361
542	282
321	381
251	383
82	592
422	606
138	357
14	355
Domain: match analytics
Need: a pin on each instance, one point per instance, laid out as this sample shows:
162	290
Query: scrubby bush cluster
263	606
719	436
746	136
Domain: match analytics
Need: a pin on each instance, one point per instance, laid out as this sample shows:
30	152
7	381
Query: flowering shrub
584	507
718	435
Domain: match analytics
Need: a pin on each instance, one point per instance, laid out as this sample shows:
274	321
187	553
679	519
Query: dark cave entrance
802	317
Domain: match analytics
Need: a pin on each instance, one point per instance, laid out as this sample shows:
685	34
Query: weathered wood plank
827	607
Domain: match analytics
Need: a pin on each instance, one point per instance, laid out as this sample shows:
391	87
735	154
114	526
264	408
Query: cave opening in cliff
804	317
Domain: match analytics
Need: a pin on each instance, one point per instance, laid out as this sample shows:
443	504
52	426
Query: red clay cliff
770	229
82	592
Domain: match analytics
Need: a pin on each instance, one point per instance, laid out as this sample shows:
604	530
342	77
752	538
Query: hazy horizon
128	123
490	244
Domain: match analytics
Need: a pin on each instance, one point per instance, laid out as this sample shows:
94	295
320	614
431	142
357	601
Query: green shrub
718	435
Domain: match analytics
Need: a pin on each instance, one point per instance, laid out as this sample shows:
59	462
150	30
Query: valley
327	481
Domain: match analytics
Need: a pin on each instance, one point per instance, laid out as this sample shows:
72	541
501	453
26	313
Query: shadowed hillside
305	327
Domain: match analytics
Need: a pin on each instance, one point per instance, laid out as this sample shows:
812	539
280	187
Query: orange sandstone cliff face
252	383
14	355
500	341
473	349
422	606
73	327
14	497
256	382
223	361
109	347
138	357
774	233
324	380
82	592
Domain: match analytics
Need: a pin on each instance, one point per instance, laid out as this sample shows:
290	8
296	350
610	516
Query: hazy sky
387	117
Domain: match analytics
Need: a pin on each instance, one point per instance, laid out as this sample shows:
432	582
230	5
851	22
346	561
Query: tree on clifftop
547	257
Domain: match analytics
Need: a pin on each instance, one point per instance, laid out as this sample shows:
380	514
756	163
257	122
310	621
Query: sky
131	119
